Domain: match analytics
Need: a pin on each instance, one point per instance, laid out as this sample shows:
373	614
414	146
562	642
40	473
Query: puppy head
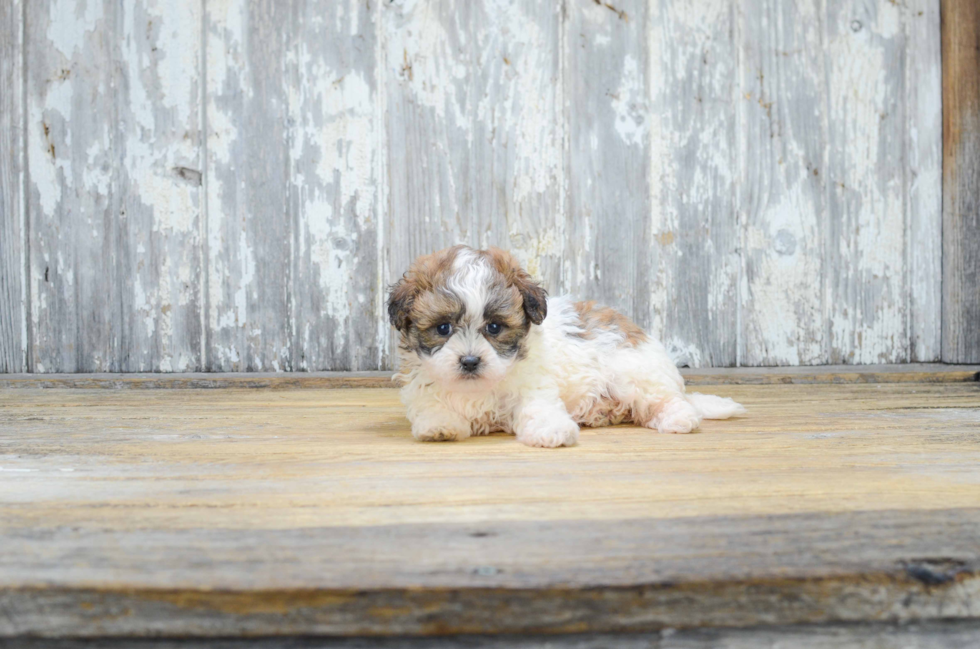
466	314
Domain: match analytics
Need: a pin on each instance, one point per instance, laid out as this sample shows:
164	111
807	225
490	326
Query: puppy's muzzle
469	365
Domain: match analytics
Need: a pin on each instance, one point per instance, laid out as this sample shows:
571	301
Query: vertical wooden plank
961	181
693	74
113	96
608	104
865	254
13	303
782	189
923	84
474	129
74	280
334	185
157	171
248	226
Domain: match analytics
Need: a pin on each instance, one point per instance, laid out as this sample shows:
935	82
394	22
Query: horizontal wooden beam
628	575
914	373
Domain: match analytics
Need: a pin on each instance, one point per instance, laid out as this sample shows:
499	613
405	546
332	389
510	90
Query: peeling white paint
630	104
480	90
71	23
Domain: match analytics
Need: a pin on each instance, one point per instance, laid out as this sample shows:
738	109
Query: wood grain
923	178
935	635
157	162
115	170
74	214
230	186
13	284
474	130
335	137
932	635
782	194
215	513
865	247
693	75
609	115
961	180
841	374
249	231
836	231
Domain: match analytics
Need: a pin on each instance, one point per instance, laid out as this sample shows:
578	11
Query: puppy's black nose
469	363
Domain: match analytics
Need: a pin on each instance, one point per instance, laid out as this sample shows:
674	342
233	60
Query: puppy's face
466	314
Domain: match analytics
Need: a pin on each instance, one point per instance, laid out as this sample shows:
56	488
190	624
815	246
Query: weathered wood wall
230	184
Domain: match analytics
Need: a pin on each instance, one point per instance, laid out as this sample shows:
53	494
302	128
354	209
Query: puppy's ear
535	298
421	276
400	301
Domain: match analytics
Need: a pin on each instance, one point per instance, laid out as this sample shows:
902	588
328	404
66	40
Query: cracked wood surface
211	513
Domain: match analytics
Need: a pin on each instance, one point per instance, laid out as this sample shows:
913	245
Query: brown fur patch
505	306
423	276
419	302
594	318
535	298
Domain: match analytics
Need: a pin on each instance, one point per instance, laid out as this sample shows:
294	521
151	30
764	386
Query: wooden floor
258	512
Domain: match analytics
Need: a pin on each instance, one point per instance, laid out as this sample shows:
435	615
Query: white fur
563	380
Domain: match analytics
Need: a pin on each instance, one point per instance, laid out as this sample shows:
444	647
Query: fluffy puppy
483	349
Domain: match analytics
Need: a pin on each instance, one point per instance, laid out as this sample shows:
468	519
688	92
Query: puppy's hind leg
646	378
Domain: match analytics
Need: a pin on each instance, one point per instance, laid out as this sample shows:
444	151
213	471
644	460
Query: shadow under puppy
484	349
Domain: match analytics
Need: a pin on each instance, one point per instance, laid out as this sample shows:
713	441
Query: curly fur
545	366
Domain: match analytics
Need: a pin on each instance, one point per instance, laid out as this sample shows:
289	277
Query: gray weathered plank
597	140
924	128
866	284
473	92
113	96
249	230
693	77
335	158
569	576
961	180
782	187
157	172
841	182
13	284
75	286
608	115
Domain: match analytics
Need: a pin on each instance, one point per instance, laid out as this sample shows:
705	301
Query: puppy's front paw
439	434
558	431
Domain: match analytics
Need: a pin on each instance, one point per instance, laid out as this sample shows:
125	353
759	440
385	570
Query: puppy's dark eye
494	328
444	329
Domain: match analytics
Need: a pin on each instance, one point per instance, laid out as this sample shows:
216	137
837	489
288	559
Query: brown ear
400	301
421	276
535	298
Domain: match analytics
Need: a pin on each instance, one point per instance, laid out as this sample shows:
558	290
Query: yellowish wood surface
181	459
244	511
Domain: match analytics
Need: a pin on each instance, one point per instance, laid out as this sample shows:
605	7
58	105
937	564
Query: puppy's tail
712	407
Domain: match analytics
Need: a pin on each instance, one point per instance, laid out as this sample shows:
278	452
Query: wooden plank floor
258	512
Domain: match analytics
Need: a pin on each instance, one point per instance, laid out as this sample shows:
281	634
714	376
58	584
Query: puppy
483	349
